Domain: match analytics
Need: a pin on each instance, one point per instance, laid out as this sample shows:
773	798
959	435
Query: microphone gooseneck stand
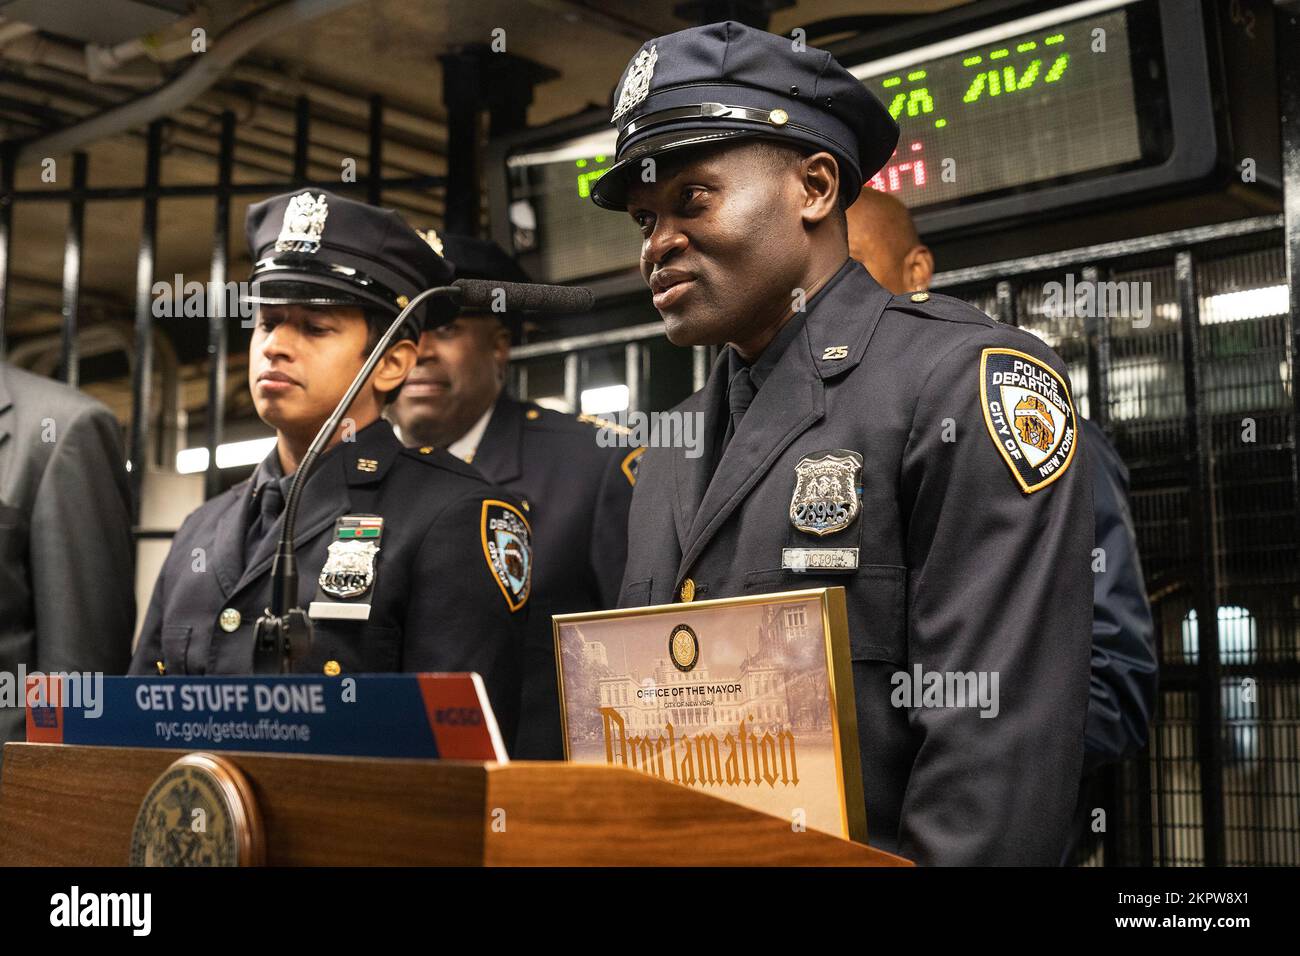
284	629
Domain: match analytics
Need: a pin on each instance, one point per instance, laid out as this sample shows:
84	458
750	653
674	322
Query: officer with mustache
961	548
575	491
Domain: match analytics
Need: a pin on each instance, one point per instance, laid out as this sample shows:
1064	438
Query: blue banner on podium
396	715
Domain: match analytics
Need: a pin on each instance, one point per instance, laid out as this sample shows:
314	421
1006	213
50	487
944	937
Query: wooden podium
63	805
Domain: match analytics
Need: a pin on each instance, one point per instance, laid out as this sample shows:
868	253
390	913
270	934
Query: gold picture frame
677	647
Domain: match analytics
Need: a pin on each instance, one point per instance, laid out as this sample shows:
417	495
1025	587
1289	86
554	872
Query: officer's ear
820	179
394	366
501	348
918	267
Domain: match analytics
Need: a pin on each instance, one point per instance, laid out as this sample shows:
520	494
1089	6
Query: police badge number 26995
827	499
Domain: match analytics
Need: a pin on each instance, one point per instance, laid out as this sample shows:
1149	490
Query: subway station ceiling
66	62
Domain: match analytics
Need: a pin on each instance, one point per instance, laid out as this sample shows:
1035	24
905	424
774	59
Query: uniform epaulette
450	463
598	422
929	305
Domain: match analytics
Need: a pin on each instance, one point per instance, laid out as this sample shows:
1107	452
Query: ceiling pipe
357	106
205	70
11	30
265	132
259	122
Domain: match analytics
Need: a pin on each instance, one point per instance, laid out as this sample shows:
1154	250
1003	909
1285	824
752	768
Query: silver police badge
349	569
827	491
637	85
304	223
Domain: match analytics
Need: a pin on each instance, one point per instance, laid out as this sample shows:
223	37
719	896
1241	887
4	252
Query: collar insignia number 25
637	85
304	224
349	569
1030	416
827	491
507	545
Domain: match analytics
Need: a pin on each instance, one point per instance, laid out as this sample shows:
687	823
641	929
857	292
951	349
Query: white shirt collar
466	445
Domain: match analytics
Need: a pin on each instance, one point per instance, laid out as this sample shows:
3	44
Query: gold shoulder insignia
605	423
1030	416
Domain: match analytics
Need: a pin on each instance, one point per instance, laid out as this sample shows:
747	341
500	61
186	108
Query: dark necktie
271	503
740	395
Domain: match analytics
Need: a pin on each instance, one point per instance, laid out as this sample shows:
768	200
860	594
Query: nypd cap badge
304	224
1030	416
507	545
827	491
636	87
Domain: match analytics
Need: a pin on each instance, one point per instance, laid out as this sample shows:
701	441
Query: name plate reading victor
749	699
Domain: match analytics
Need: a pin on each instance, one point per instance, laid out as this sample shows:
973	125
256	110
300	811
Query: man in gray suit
67	599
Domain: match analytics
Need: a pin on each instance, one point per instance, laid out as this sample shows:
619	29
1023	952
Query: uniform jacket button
332	669
688	590
229	620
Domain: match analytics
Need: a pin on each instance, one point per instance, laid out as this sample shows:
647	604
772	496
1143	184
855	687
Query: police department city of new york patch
507	545
1030	416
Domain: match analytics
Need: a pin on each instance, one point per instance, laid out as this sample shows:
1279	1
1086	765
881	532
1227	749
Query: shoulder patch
631	463
1030	416
507	546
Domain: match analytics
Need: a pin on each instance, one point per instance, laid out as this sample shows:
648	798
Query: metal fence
146	198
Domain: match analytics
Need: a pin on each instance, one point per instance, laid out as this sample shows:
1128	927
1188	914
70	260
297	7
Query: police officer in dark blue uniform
576	491
954	513
409	560
1122	694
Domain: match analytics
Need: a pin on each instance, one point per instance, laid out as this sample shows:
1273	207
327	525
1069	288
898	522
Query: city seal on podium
200	812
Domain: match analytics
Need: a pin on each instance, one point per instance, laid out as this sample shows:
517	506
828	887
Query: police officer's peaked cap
727	81
475	258
316	248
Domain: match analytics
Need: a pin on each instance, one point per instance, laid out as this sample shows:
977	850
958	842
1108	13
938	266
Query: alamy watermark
80	690
922	688
76	908
653	430
1088	299
196	300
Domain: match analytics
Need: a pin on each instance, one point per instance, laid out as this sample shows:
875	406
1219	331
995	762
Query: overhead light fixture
603	400
236	454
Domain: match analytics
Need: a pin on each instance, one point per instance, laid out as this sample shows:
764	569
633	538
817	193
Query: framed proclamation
749	699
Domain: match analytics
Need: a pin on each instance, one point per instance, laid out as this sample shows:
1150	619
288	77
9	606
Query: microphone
492	295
